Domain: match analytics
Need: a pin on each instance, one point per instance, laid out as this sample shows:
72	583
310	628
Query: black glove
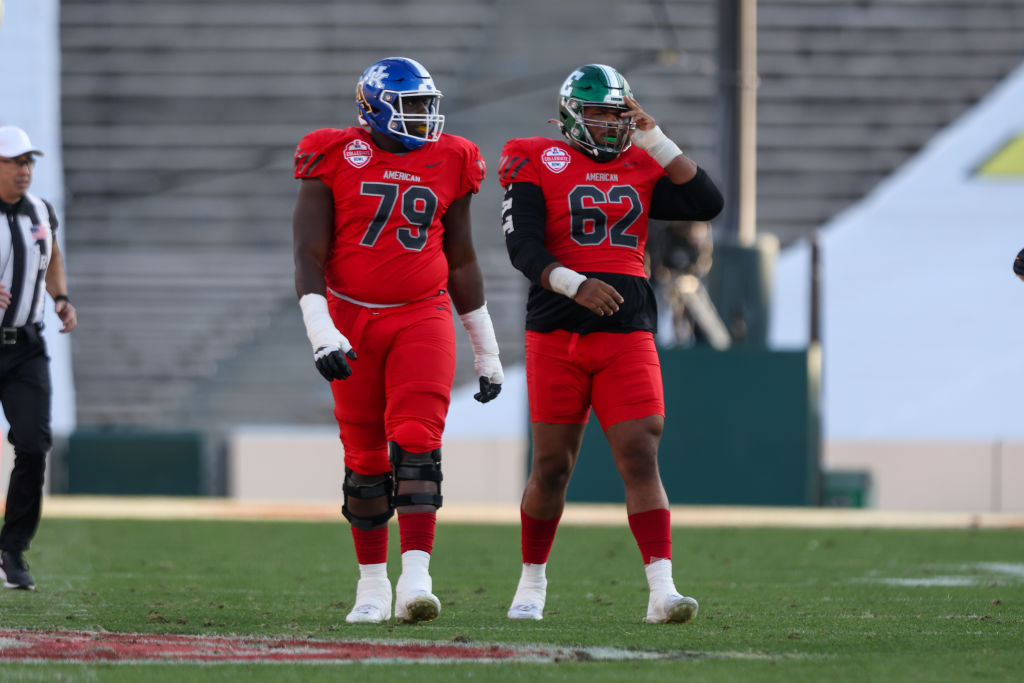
488	391
332	364
1018	265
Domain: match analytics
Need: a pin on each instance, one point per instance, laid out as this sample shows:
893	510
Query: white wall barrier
940	476
305	464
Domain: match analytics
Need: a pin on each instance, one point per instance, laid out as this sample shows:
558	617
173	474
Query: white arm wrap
319	326
657	144
566	281
485	345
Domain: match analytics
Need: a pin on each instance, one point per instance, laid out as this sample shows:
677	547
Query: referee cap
14	142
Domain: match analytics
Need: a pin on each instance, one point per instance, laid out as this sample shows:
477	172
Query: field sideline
165	508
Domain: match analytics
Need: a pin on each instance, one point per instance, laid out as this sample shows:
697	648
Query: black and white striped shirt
26	244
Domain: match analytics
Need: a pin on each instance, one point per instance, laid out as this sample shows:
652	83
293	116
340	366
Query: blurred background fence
178	120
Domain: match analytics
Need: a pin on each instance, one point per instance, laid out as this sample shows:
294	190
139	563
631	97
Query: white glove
328	343
656	144
485	352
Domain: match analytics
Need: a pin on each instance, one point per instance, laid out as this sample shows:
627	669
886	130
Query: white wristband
657	144
566	281
485	344
319	327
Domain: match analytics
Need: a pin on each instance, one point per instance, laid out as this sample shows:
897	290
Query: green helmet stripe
611	76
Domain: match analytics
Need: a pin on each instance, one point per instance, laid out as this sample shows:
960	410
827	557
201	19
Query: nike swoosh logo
627	164
433	164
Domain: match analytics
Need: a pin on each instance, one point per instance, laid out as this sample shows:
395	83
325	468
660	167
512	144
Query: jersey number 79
418	205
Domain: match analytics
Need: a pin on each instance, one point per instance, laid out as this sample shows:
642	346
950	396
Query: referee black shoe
14	571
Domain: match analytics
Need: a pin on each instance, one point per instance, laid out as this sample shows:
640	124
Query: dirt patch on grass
87	646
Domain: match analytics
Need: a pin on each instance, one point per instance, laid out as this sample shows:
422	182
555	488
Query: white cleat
373	602
528	602
416	606
525	610
671	609
414	597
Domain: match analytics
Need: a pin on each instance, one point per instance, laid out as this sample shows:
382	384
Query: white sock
416	570
531	593
373	595
659	576
373	571
533	585
533	574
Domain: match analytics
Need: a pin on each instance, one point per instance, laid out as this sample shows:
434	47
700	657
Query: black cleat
14	571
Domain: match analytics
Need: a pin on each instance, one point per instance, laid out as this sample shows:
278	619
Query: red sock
416	529
537	536
371	545
653	533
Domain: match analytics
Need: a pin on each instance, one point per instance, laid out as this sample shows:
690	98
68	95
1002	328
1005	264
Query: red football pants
618	374
401	381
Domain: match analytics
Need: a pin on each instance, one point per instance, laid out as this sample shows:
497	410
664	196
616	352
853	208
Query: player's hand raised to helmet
599	297
642	119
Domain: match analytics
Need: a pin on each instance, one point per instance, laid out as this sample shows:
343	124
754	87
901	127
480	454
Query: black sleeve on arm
696	200
522	218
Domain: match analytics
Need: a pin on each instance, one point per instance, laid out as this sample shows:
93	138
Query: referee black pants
25	393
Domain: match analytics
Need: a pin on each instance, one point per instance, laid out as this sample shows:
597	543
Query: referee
30	261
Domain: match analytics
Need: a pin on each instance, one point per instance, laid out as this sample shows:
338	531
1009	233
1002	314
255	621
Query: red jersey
597	213
387	245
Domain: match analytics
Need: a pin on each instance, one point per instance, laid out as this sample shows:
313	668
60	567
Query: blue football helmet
383	97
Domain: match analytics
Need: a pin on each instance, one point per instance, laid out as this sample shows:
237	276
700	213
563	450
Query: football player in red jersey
575	220
382	238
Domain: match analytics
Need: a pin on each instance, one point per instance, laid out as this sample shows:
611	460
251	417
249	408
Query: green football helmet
595	85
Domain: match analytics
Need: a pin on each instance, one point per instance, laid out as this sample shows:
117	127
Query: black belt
27	334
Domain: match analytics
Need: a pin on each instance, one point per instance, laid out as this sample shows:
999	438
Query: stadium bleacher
179	120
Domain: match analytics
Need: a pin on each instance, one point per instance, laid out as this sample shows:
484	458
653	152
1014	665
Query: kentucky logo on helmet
556	159
357	153
375	76
397	98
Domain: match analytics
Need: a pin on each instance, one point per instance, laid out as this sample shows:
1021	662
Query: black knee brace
385	486
416	467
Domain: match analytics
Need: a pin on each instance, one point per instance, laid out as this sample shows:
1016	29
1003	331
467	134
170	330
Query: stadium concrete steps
848	90
179	121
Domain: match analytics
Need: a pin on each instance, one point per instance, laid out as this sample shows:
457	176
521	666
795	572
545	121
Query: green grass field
776	604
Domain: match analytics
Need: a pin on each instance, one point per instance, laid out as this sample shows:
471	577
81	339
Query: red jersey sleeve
515	164
313	158
474	170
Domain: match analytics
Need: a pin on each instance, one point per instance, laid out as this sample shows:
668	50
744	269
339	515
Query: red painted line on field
82	646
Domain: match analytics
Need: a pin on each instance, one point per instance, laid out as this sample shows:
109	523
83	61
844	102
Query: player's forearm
309	274
681	170
56	280
531	258
466	286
